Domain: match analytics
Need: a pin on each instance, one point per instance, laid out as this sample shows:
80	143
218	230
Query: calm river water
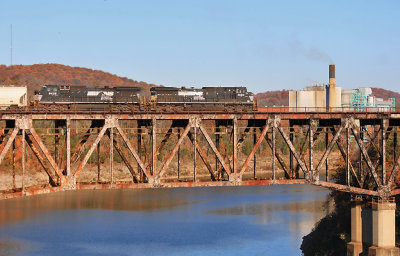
256	220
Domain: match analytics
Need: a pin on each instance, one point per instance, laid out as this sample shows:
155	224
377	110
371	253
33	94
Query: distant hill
385	94
273	98
35	76
281	98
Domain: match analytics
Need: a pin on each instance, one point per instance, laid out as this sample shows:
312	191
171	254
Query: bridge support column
383	230
355	247
70	177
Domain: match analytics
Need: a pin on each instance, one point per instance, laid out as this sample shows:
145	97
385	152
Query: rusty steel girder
215	136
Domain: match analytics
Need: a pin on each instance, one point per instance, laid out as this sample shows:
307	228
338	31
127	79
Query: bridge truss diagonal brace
270	122
279	158
203	156
239	146
214	148
92	148
394	172
8	144
364	151
304	148
133	152
123	157
40	159
343	153
46	153
386	130
292	148
82	144
345	124
174	150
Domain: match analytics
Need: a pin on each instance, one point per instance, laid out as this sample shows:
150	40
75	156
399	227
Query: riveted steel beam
91	149
216	151
235	146
153	147
46	153
68	147
255	147
292	148
83	142
280	159
364	151
203	156
174	150
124	159
8	144
330	146
343	153
39	157
132	151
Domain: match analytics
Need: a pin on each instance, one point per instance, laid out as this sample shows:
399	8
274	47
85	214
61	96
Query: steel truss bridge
225	149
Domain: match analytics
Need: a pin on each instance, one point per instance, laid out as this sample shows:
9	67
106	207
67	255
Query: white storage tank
15	95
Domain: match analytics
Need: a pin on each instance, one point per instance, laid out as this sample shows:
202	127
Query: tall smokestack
332	75
332	87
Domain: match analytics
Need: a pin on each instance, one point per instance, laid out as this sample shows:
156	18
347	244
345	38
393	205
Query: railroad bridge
198	148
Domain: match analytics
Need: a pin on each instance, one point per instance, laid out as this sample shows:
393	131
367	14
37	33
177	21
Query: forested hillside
385	94
35	76
273	98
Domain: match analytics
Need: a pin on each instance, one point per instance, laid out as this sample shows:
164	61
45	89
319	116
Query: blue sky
264	45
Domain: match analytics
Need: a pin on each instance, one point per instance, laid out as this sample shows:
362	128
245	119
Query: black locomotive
230	98
162	98
65	94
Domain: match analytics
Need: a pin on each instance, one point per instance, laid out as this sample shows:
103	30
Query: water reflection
117	200
186	221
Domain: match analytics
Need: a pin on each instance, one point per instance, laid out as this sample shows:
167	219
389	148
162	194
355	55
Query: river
253	220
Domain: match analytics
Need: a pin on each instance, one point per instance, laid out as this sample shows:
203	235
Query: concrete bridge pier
355	246
383	230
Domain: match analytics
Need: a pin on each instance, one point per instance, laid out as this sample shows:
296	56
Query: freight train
161	98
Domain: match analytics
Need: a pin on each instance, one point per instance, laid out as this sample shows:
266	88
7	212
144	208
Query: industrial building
361	99
332	98
317	98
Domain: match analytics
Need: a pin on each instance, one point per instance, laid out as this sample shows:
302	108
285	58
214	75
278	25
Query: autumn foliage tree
38	75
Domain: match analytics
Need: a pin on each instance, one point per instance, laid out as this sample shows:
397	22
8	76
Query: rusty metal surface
285	115
194	126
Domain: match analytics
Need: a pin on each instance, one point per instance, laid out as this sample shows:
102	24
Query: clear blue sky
264	45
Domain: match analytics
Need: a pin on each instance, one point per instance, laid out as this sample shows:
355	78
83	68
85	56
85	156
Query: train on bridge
161	98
